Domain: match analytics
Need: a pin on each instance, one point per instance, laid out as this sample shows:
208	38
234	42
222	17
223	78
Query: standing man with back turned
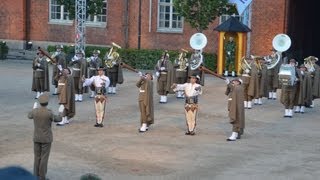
42	137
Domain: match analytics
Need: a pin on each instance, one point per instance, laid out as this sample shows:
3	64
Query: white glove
113	62
227	81
140	73
247	71
59	67
157	74
75	58
35	105
162	68
38	64
61	108
228	52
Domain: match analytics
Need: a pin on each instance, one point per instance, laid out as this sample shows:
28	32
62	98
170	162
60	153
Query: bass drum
287	75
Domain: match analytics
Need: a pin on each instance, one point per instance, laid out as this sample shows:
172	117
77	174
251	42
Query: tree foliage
94	7
200	13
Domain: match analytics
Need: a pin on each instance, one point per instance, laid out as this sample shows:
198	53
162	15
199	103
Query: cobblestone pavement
272	147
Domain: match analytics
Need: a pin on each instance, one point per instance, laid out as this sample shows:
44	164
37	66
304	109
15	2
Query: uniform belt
39	69
61	84
181	70
247	75
93	69
142	91
76	69
229	99
163	72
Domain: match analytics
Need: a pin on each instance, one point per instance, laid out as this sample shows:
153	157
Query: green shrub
4	49
138	58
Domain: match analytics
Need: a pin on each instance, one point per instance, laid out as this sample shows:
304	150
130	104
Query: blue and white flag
241	5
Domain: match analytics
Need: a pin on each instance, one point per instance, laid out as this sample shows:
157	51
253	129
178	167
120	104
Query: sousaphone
197	41
281	43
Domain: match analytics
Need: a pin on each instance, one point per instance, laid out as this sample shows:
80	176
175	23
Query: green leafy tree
200	13
94	7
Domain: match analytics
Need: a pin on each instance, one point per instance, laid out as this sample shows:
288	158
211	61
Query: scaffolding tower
80	25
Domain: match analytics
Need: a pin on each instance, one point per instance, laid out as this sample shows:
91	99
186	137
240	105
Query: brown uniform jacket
42	119
147	97
66	94
236	111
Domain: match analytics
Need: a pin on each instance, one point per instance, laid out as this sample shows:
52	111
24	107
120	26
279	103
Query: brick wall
267	21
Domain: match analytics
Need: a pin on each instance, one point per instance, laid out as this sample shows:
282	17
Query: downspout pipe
27	24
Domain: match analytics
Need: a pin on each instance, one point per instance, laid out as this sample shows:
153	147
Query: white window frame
93	23
169	29
225	17
62	14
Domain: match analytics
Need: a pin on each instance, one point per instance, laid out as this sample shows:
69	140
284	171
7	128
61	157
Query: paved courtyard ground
272	147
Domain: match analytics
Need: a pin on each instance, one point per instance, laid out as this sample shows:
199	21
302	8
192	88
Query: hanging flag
241	5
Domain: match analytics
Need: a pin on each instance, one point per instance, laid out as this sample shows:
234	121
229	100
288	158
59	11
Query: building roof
232	25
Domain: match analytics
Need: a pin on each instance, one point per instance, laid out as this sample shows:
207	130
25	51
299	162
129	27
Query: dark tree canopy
200	13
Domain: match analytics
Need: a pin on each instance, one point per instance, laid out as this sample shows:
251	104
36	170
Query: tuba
182	61
112	57
309	63
245	66
281	43
197	41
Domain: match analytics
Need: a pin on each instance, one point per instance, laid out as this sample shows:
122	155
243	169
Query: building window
59	14
99	19
168	18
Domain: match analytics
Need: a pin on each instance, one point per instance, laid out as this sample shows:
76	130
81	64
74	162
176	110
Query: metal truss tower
80	25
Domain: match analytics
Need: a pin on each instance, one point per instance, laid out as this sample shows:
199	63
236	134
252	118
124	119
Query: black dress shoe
187	133
192	133
100	125
54	93
231	139
239	136
96	125
142	131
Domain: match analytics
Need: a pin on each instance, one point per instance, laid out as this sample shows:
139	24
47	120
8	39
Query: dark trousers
113	76
39	82
41	157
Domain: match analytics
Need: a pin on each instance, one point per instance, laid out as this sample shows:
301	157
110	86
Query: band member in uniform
58	66
315	72
181	71
101	83
236	108
263	89
113	68
304	90
42	136
254	85
191	90
40	80
272	74
66	96
94	63
194	59
79	71
230	54
245	77
145	85
288	92
164	72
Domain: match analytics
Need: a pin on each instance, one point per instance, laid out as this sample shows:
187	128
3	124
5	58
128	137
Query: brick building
45	22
